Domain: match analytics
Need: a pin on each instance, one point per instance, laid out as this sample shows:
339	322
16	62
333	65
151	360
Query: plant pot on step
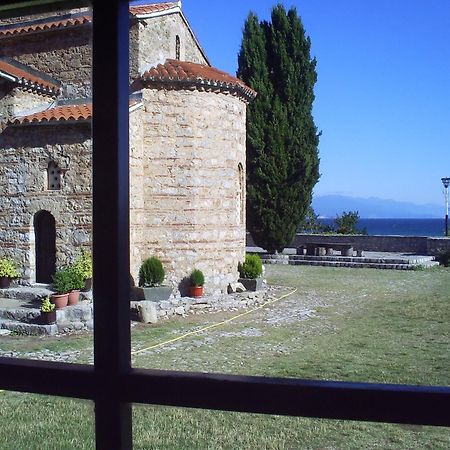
74	296
48	318
5	282
251	284
156	293
87	285
60	300
195	291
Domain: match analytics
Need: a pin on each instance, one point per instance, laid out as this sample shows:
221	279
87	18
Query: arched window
177	47
53	176
241	195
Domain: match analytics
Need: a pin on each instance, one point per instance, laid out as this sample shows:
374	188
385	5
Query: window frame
111	383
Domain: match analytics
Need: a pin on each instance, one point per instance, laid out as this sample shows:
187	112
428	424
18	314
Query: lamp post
446	182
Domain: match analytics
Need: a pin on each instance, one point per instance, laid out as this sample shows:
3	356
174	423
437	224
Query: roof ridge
77	19
28	78
200	76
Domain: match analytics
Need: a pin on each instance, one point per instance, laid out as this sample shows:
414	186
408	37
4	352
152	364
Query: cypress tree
282	139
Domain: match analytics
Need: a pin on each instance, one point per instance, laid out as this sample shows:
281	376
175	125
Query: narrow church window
241	194
53	176
177	47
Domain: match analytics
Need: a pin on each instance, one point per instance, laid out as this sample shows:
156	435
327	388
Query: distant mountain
374	208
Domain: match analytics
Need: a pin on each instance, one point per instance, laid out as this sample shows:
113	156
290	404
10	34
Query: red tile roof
51	24
73	21
153	8
196	75
27	79
62	113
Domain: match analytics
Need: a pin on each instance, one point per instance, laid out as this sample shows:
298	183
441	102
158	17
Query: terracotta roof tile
153	8
73	21
196	75
63	113
27	79
52	23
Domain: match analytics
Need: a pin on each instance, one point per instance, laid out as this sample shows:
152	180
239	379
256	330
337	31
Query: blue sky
383	91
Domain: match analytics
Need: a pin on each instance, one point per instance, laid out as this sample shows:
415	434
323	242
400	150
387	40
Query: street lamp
446	182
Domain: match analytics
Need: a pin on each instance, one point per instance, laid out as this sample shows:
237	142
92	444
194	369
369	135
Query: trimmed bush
76	278
444	258
63	281
251	268
197	278
151	272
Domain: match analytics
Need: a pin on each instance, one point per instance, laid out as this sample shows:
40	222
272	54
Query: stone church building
187	147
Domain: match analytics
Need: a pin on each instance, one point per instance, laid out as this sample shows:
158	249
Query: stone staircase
378	261
20	312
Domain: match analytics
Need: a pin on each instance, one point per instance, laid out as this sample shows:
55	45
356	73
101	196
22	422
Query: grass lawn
341	324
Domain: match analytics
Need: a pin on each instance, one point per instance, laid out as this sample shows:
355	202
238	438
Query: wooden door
45	242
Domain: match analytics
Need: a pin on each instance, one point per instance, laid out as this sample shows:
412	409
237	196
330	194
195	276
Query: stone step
26	293
26	315
28	328
418	260
352	264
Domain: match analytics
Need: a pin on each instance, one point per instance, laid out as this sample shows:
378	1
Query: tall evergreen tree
282	139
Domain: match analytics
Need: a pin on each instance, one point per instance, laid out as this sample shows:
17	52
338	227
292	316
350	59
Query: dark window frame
112	383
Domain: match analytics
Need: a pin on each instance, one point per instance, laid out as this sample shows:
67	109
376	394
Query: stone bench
326	248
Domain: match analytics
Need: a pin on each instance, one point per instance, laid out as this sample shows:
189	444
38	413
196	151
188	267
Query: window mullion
111	281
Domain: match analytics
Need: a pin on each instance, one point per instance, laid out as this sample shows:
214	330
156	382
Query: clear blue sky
383	91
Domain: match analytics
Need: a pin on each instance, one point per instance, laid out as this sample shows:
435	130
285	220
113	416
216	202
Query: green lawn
341	324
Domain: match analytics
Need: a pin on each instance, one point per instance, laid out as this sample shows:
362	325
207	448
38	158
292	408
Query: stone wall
157	42
65	54
25	154
193	145
408	244
438	245
14	101
61	54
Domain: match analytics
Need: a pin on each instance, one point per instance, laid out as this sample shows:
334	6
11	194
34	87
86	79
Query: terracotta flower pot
5	282
196	291
87	285
48	318
74	296
60	300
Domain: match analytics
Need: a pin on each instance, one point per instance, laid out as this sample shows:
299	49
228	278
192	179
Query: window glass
174	428
42	422
46	183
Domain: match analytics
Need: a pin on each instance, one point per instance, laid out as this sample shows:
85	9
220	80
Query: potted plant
62	285
48	312
151	276
250	272
77	283
83	265
8	272
197	280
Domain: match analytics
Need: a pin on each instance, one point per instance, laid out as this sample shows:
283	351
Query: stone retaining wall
421	245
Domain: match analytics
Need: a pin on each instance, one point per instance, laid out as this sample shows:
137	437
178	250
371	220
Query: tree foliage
282	139
347	223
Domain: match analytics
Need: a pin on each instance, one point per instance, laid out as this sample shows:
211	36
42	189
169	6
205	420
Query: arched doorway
45	244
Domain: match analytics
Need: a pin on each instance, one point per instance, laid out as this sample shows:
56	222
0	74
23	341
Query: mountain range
374	208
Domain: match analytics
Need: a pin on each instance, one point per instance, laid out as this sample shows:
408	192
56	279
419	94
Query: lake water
402	227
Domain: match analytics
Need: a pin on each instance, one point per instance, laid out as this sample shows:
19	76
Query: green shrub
83	265
251	268
8	268
46	305
63	281
197	278
76	278
444	258
151	272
